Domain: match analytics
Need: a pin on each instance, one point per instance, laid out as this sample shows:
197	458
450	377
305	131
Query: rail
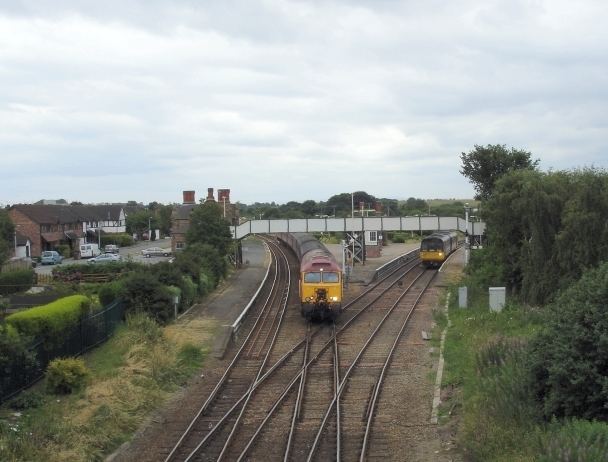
390	266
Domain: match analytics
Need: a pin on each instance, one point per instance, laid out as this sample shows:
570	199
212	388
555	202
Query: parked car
105	258
156	252
110	248
50	257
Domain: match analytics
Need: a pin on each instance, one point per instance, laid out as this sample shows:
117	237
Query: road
132	253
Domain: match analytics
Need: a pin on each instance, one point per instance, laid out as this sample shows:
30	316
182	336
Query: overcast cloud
291	100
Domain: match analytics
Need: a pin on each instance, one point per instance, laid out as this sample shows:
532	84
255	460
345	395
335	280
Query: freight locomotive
437	247
320	284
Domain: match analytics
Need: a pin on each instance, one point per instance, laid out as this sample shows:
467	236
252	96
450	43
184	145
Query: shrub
16	359
16	281
144	293
51	320
569	358
27	400
110	292
65	250
120	239
64	376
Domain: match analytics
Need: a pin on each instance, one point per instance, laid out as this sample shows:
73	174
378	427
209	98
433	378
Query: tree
140	221
486	164
7	235
207	226
569	358
163	214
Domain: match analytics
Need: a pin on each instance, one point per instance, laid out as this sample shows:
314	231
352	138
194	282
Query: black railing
88	333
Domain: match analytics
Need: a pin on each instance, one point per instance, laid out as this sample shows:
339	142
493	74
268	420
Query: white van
89	250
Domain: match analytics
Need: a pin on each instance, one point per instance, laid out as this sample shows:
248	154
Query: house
180	218
180	221
50	226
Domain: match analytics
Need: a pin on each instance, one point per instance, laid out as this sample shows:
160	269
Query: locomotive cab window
431	245
331	277
312	277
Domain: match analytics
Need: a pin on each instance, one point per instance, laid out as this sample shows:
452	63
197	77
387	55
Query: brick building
180	218
49	226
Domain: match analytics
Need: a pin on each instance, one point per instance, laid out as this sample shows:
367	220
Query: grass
486	391
132	374
483	379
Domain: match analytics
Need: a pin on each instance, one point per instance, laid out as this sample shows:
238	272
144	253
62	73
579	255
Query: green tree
7	235
569	359
163	216
484	165
207	226
139	222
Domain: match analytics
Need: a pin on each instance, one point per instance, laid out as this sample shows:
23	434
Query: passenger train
437	247
320	284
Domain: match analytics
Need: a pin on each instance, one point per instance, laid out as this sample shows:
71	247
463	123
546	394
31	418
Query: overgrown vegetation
130	375
15	281
530	382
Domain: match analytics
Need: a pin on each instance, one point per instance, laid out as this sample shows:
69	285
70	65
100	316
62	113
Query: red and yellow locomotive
320	284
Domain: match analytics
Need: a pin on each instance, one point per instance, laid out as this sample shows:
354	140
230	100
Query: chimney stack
188	197
210	197
223	194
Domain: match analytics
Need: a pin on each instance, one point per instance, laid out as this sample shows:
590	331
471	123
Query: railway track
297	391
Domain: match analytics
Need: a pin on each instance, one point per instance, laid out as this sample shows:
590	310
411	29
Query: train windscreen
331	277
431	245
312	277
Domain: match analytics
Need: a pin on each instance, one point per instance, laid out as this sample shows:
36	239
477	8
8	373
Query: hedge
121	239
16	281
52	319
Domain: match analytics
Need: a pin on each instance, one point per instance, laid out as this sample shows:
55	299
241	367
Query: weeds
130	375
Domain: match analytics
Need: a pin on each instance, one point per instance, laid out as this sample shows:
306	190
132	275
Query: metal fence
394	263
88	333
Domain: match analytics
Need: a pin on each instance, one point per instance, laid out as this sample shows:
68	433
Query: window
312	277
331	277
431	245
373	236
180	245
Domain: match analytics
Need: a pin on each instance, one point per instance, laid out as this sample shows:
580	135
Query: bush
64	376
120	239
27	400
51	320
12	282
16	359
143	293
64	250
110	292
569	358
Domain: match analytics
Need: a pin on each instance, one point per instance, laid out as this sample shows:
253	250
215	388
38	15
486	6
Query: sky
291	100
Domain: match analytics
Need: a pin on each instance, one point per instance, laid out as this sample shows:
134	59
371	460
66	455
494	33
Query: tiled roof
52	214
182	212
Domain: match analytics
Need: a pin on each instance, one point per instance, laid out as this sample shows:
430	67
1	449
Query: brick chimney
210	197
223	194
188	197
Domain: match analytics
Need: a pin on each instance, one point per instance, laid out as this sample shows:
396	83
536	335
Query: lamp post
15	233
149	228
466	234
352	205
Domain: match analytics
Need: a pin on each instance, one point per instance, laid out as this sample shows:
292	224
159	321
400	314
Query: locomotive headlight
334	299
441	254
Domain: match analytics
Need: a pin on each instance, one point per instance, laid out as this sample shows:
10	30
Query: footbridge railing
317	225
